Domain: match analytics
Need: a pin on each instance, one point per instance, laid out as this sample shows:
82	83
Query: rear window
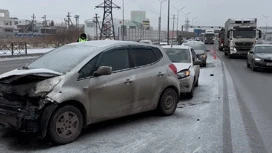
143	56
178	55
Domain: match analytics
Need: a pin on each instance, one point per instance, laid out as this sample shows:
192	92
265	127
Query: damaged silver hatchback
83	83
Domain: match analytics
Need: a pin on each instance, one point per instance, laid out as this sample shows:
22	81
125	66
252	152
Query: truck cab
209	36
240	36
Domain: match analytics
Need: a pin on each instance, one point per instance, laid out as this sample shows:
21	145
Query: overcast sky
208	12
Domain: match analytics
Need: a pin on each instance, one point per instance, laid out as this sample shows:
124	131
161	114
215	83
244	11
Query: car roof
106	44
195	42
176	46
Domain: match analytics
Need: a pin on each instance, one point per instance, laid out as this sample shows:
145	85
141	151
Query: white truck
240	35
209	36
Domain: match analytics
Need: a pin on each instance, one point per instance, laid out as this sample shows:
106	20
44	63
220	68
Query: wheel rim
67	125
169	101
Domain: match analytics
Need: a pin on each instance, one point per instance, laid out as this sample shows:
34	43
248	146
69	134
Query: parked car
260	57
83	83
188	68
200	50
146	42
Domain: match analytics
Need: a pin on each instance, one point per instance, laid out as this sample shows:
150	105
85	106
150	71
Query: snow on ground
29	51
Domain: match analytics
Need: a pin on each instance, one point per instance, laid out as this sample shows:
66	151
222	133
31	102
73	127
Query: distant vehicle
146	41
197	39
200	50
201	37
260	57
94	81
187	64
240	36
221	39
163	43
209	36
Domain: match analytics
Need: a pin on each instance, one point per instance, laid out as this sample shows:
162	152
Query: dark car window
158	53
193	54
143	56
89	68
117	59
263	49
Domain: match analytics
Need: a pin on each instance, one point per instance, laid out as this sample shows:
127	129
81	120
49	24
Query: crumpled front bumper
19	117
185	85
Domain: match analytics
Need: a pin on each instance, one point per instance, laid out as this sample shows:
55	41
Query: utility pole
168	22
161	2
107	30
174	17
77	20
266	26
45	23
69	19
178	12
123	26
96	26
33	20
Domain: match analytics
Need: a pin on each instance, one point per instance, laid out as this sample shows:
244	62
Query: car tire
190	95
65	125
253	67
248	65
196	84
168	102
226	54
230	56
204	65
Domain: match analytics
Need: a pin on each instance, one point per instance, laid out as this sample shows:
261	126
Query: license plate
268	64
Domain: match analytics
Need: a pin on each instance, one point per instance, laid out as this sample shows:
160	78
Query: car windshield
264	49
178	55
209	35
62	59
244	34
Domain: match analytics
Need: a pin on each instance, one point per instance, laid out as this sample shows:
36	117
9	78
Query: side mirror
228	34
197	62
251	52
103	70
207	50
260	34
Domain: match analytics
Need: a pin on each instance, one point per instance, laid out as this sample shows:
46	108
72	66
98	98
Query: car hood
25	72
182	66
264	55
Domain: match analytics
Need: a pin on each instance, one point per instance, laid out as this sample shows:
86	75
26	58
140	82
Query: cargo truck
209	36
240	35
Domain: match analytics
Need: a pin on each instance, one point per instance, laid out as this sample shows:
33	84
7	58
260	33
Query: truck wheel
226	54
230	56
168	102
65	125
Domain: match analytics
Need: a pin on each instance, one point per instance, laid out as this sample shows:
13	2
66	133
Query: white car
188	67
146	42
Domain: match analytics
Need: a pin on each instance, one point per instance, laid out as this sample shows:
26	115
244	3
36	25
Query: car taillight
173	68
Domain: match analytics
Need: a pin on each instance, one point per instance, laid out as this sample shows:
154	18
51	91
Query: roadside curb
15	56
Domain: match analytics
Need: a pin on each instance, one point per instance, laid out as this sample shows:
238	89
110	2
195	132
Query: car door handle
160	74
128	81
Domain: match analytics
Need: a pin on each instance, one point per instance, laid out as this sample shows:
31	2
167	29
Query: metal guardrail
13	48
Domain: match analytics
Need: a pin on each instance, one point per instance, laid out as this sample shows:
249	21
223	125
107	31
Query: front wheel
253	67
248	65
168	102
65	125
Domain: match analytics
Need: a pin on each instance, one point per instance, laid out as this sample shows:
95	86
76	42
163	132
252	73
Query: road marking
227	142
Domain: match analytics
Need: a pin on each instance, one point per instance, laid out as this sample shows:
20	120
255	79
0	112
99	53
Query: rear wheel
168	102
65	125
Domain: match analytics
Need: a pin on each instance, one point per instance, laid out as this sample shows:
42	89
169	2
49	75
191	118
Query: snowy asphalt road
214	121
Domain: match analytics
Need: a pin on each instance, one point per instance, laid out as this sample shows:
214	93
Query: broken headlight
44	87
